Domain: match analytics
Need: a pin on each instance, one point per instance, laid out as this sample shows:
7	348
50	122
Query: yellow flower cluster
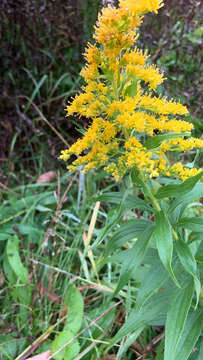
141	7
125	113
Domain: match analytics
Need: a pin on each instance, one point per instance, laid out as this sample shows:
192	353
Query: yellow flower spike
124	115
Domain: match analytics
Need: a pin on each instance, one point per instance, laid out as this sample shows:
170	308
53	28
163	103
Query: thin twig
7	189
91	346
46	121
93	322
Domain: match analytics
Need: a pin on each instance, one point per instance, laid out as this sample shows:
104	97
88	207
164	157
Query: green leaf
164	242
154	308
73	299
186	257
134	259
192	223
113	218
131	201
131	89
176	317
160	351
200	357
12	251
72	350
188	261
3	236
10	346
135	177
105	321
129	341
185	199
69	352
154	279
128	231
156	141
177	190
8	270
190	335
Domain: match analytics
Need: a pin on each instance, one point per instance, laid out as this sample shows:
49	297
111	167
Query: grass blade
34	93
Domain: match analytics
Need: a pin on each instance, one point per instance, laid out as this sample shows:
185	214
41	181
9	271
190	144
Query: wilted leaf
53	297
43	356
46	177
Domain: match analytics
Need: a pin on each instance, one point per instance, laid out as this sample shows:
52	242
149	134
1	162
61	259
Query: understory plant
139	138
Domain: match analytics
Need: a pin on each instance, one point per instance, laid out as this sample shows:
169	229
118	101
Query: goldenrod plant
138	135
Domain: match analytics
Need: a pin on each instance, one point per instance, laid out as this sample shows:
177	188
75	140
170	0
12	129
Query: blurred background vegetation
41	55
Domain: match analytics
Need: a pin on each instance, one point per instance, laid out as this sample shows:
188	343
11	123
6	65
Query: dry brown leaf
42	356
46	177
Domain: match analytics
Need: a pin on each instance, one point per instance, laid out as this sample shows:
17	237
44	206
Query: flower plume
120	97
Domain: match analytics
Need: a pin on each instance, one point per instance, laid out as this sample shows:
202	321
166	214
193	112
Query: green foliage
73	300
41	243
164	242
176	317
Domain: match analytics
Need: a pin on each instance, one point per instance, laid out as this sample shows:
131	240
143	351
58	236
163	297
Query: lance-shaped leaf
176	318
164	242
69	352
14	260
193	223
177	190
154	280
185	199
131	201
134	259
156	141
74	302
75	306
128	231
188	261
152	310
190	335
129	341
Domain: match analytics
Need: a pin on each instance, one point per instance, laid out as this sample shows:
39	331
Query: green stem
149	195
175	235
155	203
